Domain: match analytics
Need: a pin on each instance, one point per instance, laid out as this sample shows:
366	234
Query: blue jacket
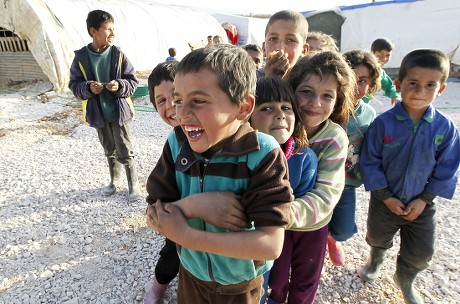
411	160
81	76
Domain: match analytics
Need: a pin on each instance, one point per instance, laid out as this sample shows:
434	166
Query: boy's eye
178	101
199	101
160	101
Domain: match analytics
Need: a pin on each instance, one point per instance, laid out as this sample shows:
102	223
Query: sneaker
336	253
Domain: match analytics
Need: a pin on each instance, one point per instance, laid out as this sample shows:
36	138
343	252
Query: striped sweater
314	210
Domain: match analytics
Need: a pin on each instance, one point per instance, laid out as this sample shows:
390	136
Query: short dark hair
382	44
164	71
96	18
253	47
233	66
172	52
425	58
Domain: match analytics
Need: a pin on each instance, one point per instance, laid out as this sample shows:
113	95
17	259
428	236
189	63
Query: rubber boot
336	253
133	183
371	270
156	293
404	279
114	169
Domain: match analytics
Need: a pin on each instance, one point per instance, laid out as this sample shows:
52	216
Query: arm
78	84
388	86
127	84
313	210
264	243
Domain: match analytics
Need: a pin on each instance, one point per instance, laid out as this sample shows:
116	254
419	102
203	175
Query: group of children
258	176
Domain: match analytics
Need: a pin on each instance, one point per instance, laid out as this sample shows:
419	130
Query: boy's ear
442	88
397	85
306	48
246	108
92	31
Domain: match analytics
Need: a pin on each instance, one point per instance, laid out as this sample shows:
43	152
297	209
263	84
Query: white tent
145	31
250	30
410	24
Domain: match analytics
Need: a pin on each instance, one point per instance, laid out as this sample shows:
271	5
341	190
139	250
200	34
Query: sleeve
161	183
128	81
77	82
268	198
388	86
313	210
443	180
309	170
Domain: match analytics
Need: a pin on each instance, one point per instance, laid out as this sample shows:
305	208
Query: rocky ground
62	242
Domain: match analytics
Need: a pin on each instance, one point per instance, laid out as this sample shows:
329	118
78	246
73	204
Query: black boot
371	270
404	279
133	182
114	169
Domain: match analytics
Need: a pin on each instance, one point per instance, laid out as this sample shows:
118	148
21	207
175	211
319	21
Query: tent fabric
145	30
232	32
410	24
250	30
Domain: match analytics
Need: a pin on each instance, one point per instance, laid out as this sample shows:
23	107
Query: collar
401	114
244	141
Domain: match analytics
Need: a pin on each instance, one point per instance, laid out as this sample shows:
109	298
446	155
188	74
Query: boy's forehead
284	26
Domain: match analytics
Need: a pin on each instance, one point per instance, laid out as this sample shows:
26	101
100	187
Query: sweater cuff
382	194
427	197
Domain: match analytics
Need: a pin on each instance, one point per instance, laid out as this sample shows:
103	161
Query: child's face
284	35
383	56
316	99
104	36
164	101
205	112
419	88
363	73
256	57
274	118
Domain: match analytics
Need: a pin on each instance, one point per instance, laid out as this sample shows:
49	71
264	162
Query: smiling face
274	118
284	35
383	56
205	112
419	88
316	98
363	73
164	101
104	36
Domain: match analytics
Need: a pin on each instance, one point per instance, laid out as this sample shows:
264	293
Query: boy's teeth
188	129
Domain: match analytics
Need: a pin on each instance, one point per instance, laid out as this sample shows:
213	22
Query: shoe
133	183
371	270
114	169
155	294
404	279
336	253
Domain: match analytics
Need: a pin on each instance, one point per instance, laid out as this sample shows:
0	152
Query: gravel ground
62	242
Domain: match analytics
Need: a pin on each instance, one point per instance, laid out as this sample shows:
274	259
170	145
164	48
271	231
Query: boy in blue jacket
409	157
103	78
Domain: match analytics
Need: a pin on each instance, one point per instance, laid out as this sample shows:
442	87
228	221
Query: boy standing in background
104	79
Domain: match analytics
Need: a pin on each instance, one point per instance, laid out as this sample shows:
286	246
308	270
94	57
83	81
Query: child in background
161	92
410	155
324	86
217	40
343	225
319	41
172	54
276	114
217	151
382	49
256	54
104	78
285	42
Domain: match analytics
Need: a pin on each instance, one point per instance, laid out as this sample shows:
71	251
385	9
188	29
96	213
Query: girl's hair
270	89
328	42
232	65
356	58
164	71
329	63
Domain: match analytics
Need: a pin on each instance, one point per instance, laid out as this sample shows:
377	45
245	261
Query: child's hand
277	64
414	209
112	86
96	87
395	206
221	209
168	221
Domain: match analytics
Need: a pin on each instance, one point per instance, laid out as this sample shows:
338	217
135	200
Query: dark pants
417	237
115	140
303	253
343	223
167	266
193	290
